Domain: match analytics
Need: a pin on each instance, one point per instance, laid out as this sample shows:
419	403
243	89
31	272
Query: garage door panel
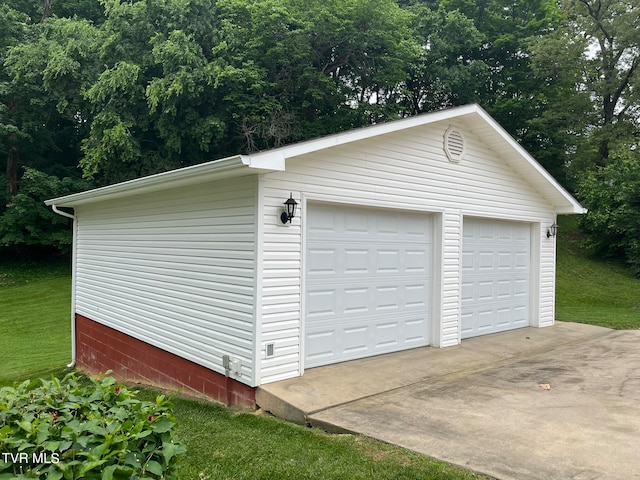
349	301
466	291
521	287
495	276
319	345
504	317
356	300
377	265
522	261
321	303
353	339
387	334
417	262
416	296
387	261
356	260
505	289
467	260
415	332
486	261
374	259
320	261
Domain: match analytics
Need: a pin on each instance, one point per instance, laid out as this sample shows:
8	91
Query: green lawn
591	291
35	325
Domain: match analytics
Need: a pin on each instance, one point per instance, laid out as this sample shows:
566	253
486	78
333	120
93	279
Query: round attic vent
454	144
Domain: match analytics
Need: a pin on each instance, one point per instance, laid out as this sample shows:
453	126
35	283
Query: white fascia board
273	162
217	169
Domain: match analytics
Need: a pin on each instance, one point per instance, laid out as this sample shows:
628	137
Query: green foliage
27	221
71	429
612	195
160	84
123	89
595	47
447	71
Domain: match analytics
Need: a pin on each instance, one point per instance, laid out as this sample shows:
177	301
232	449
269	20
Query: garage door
495	276
367	277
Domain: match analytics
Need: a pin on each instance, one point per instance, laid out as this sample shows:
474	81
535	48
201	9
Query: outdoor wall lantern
552	231
290	210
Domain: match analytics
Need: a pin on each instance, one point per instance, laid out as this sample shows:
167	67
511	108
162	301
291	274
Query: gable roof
471	116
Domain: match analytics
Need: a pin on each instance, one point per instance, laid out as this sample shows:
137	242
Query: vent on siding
454	144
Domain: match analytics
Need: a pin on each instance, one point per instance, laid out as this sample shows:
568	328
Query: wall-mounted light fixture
290	210
552	231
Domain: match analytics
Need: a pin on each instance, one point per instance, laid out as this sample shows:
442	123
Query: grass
35	306
15	273
222	443
593	291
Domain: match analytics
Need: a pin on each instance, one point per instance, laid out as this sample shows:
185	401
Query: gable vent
454	144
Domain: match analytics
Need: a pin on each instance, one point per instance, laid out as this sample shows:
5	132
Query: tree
612	30
612	195
486	58
591	60
598	48
13	26
27	223
46	75
298	70
447	72
185	83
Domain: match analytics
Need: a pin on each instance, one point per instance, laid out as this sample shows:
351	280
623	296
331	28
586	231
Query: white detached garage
422	231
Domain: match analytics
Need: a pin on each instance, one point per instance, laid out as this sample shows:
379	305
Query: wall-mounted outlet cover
269	349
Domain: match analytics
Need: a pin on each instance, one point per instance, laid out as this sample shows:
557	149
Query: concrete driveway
481	404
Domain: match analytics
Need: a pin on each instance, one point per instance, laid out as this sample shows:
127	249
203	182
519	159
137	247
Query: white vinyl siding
449	289
547	275
175	269
281	301
407	170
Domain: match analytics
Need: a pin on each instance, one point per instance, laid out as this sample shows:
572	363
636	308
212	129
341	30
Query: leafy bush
97	429
27	221
612	196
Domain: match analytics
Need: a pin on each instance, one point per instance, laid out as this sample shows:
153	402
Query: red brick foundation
100	348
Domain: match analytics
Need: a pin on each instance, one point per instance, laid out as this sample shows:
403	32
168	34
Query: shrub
27	221
74	428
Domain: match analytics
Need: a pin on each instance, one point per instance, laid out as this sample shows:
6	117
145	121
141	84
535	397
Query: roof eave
275	160
235	166
576	209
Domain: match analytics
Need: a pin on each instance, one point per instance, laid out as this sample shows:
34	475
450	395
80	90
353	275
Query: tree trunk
47	10
12	172
603	152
